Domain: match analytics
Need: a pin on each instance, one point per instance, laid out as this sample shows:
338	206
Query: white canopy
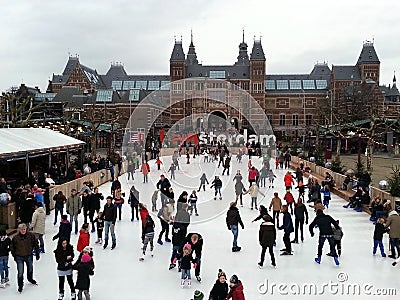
17	141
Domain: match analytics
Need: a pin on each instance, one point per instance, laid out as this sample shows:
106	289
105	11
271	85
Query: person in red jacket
84	237
236	291
159	163
252	175
289	200
288	180
143	214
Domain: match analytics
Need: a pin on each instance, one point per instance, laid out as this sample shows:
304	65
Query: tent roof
19	141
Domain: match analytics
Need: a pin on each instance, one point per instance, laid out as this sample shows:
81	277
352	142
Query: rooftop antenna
243	33
191	36
174	38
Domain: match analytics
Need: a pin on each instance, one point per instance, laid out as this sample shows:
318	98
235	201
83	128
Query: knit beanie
86	258
221	273
198	295
234	279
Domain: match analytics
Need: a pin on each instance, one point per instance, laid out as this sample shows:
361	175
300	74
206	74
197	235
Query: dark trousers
331	242
61	281
202	184
223	171
394	245
380	244
21	260
91	215
286	241
338	246
119	208
133	208
271	253
164	228
275	215
100	233
298	223
58	209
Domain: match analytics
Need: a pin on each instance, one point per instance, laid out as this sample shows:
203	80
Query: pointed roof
368	54
191	58
116	71
177	53
394	79
321	69
243	57
71	64
257	53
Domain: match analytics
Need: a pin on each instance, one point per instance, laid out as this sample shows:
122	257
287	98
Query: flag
135	137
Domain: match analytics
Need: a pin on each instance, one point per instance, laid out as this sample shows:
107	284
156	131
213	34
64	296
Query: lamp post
329	97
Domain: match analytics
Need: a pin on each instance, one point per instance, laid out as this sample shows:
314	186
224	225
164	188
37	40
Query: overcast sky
37	35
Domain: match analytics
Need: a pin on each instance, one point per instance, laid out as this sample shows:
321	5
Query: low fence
339	178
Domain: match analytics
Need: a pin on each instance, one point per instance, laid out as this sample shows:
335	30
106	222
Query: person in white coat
254	191
38	224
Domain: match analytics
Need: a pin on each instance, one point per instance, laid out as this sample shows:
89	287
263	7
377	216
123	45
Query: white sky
37	35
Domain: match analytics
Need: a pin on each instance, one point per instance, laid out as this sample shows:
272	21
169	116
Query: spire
394	78
191	58
243	57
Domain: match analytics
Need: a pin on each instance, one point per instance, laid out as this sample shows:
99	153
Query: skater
85	270
22	246
116	185
38	224
227	165
337	238
74	206
131	169
233	220
187	157
163	185
239	189
59	201
393	223
277	162
263	176
172	169
110	216
287	228
99	221
178	237
154	199
220	288
288	180
147	236
196	242
238	177
267	238
94	205
183	199
145	169
300	215
301	187
217	184
254	191
159	163
327	195
239	156
193	203
85	204
5	248
378	236
84	237
252	175
203	181
236	289
134	202
221	158
324	223
165	217
65	229
263	212
289	200
185	261
64	255
276	205
118	202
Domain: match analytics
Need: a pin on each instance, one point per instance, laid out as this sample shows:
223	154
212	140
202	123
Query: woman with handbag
64	255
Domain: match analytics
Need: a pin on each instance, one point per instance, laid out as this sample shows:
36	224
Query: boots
189	282
2	284
105	245
318	259
159	241
61	296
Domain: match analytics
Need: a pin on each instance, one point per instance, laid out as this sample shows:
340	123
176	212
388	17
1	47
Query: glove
37	256
229	227
242	227
306	222
174	261
194	266
312	234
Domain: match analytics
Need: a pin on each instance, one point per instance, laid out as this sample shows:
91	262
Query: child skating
271	178
378	236
327	196
99	221
85	270
193	203
186	261
154	198
148	236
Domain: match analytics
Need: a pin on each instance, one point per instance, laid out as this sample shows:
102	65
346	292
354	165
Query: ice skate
198	278
182	283
318	259
152	254
260	265
171	266
189	283
2	284
60	296
73	296
141	258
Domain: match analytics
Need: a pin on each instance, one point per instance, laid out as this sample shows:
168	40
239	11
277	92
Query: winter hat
234	279
198	295
88	249
221	273
187	246
86	258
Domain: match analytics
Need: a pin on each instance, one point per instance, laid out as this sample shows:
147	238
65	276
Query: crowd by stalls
285	213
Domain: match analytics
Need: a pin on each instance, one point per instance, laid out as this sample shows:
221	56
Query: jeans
39	237
331	242
72	219
394	245
271	253
262	181
254	202
380	244
119	208
186	274
218	190
107	227
193	206
58	209
4	267
28	260
223	172
173	175
235	231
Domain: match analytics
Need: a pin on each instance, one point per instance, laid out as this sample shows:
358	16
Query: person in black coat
94	205
64	255
196	242
163	185
178	237
263	212
287	227
116	185
233	220
324	223
220	288
134	202
85	270
300	215
65	229
86	199
266	238
26	209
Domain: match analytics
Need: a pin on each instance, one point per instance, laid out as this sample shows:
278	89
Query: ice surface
120	275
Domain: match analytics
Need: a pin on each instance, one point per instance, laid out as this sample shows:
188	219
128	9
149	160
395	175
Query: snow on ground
120	275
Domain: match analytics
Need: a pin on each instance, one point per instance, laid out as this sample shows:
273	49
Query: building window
76	116
295	120
257	88
245	86
104	96
217	74
165	85
154	85
176	88
308	120
295	84
127	85
282	85
269	119
308	85
116	85
321	84
282	120
269	84
141	84
134	95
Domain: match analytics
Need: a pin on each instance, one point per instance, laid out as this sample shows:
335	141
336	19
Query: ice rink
120	275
